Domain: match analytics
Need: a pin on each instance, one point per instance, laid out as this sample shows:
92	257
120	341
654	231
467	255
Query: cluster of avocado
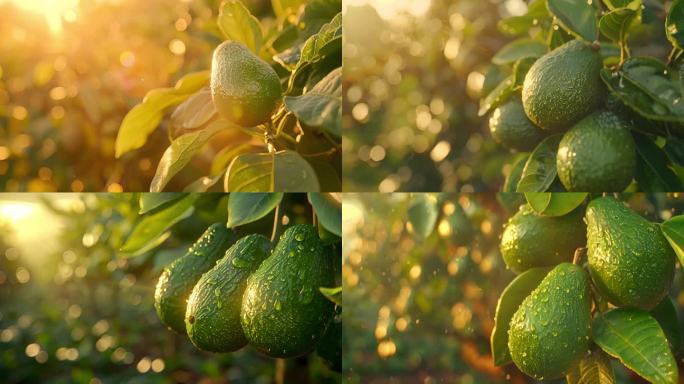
563	93
630	263
226	293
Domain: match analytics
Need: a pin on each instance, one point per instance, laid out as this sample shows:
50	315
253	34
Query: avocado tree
268	112
601	293
587	96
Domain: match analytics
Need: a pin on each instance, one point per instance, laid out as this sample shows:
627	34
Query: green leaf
513	178
181	151
615	24
577	17
244	208
594	368
674	24
316	14
666	315
328	209
519	49
615	4
652	171
674	149
152	226
151	201
518	25
520	69
284	171
673	230
497	96
315	47
322	106
140	121
555	204
636	339
193	113
422	215
509	301
333	294
238	24
282	8
540	168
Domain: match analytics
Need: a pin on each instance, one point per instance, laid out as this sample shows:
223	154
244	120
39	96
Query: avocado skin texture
550	331
244	88
330	346
212	319
597	155
511	128
563	86
630	261
283	312
532	240
177	280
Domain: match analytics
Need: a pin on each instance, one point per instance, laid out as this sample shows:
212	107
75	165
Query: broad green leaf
322	106
540	168
193	113
225	156
674	24
181	151
577	17
636	339
238	24
333	294
159	240
520	69
284	171
615	24
151	201
666	315
245	208
497	96
652	171
513	178
315	14
315	45
202	184
422	215
518	25
509	301
594	368
673	230
140	121
674	149
328	209
555	204
282	8
519	49
153	225
615	4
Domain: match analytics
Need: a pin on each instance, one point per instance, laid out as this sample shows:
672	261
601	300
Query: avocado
563	86
511	128
597	155
533	240
244	88
283	312
330	346
630	261
177	280
549	333
212	318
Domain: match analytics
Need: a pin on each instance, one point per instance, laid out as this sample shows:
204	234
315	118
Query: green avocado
549	333
177	280
533	240
244	88
330	346
283	312
212	319
630	261
511	128
597	155
563	86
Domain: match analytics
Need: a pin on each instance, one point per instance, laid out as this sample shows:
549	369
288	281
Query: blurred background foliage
71	69
421	309
74	310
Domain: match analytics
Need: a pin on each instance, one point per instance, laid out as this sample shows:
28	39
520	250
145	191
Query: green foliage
245	208
555	204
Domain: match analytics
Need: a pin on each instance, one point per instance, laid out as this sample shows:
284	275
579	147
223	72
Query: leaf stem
276	221
579	255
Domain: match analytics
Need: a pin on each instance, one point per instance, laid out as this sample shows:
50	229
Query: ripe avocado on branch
283	312
630	261
511	128
177	280
212	318
244	88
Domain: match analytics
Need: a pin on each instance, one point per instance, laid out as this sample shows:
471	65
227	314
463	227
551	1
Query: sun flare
54	11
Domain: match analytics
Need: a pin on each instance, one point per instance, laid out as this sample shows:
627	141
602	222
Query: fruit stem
276	220
579	255
280	371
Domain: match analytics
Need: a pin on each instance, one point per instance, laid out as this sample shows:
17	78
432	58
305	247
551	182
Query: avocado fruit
178	279
283	312
244	88
212	318
597	155
510	127
550	332
330	346
563	86
630	261
532	240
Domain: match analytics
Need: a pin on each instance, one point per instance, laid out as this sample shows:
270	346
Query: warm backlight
54	11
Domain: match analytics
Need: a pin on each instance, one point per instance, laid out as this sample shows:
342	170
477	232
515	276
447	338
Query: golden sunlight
389	9
54	11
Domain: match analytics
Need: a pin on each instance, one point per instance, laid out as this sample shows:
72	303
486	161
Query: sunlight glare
54	11
389	9
15	211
